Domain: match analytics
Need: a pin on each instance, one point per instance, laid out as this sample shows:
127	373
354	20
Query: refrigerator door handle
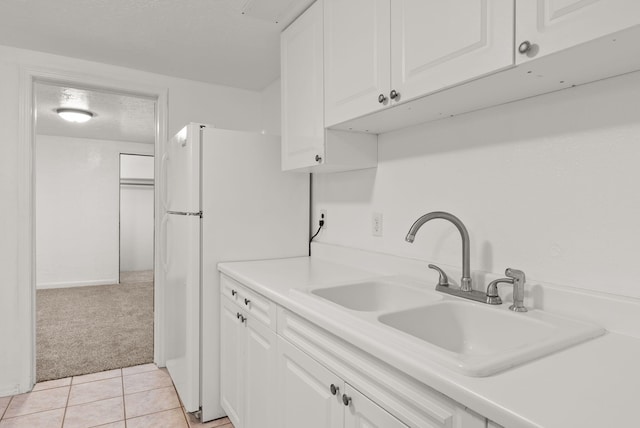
195	214
164	236
164	185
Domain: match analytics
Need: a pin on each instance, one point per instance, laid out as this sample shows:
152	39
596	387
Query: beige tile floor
134	397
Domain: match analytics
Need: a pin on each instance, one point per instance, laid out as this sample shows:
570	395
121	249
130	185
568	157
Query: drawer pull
234	292
346	400
334	389
247	301
525	47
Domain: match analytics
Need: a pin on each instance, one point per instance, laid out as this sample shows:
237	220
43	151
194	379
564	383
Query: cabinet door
301	49
304	391
554	25
231	362
260	375
364	413
436	44
356	55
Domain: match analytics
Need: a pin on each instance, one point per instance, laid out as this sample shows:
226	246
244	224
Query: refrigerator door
182	170
182	306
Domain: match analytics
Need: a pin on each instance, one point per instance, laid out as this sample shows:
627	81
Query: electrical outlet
376	224
323	216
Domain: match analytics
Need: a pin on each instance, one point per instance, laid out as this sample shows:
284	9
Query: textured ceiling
117	117
227	42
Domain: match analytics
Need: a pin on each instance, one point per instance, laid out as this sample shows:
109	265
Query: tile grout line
31	413
94	401
64	414
69	387
124	405
154	413
6	408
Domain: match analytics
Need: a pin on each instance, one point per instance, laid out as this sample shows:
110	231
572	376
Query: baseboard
48	285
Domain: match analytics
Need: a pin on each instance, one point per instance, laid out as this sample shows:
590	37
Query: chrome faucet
465	281
491	297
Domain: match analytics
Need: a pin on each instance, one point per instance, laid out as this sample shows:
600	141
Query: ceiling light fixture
74	114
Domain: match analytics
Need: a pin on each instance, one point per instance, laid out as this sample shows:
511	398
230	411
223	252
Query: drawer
254	304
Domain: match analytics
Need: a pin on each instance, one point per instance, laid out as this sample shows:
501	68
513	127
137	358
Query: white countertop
592	384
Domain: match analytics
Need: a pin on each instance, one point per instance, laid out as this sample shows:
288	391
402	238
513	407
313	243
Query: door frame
26	200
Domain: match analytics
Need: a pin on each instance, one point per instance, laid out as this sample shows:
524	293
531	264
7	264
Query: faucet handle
444	279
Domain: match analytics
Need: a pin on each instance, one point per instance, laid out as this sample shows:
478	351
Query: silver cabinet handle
382	98
394	94
234	292
246	302
524	47
318	158
346	400
334	389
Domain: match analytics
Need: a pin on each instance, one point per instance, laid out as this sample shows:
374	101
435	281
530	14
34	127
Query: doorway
87	319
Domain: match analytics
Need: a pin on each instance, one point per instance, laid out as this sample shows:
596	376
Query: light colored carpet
84	330
136	276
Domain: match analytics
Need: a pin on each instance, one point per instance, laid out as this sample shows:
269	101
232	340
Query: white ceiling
117	117
227	42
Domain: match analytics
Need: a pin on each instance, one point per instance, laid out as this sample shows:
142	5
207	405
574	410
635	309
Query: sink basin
372	296
480	340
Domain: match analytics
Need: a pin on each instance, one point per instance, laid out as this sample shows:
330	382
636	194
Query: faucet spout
465	282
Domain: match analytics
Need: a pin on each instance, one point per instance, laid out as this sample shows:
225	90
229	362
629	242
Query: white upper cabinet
303	91
381	52
306	145
357	57
436	44
550	26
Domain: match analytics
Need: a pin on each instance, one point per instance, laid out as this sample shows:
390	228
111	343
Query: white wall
135	166
549	185
136	215
187	101
270	107
77	210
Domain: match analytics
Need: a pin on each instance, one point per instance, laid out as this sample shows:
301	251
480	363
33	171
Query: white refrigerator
225	199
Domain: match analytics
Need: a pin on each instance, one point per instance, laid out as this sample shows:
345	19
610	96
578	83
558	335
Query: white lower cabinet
231	373
279	370
304	391
248	368
364	413
314	397
260	381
